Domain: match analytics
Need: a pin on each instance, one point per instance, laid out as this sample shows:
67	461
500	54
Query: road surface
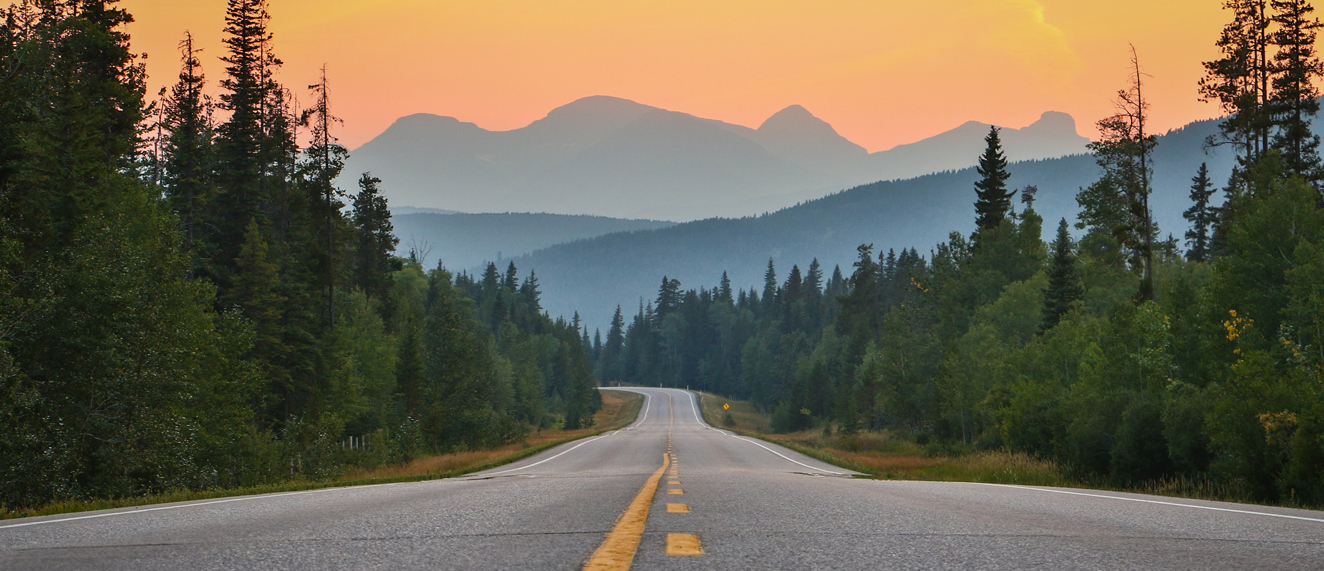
670	492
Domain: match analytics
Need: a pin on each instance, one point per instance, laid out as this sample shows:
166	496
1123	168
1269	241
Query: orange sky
883	72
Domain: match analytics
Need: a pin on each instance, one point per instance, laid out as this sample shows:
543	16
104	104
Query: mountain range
608	156
592	276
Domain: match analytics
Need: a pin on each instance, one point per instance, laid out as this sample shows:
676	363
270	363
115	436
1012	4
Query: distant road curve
718	501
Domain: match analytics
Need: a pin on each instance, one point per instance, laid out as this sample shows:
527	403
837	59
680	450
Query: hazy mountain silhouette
466	241
614	157
592	276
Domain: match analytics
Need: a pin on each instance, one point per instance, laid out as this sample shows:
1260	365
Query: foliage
187	305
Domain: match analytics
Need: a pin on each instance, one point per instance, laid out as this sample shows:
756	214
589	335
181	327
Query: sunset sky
882	72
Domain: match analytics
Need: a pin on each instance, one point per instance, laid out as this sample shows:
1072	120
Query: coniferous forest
1124	356
189	301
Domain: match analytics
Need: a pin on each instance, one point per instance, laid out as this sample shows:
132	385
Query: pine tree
324	160
1240	80
256	291
1201	216
668	298
1064	287
724	290
813	284
373	262
241	144
769	306
1295	99
187	149
529	295
511	284
993	200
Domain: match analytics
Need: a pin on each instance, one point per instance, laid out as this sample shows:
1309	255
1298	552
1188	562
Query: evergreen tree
1201	216
993	200
1240	80
1064	287
770	290
324	160
186	160
241	144
511	283
668	298
373	263
724	290
1295	99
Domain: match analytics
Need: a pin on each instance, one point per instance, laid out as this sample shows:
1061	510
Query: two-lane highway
670	492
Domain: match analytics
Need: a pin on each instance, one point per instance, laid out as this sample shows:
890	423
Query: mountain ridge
609	156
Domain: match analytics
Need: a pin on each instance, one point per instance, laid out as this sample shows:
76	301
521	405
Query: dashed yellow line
684	544
676	492
678	509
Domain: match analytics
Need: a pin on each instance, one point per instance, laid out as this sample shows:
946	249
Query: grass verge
882	456
619	409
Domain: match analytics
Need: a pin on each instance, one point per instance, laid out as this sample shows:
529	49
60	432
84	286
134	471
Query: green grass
620	408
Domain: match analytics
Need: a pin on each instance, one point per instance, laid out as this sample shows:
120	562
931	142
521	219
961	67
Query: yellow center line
678	508
617	552
683	544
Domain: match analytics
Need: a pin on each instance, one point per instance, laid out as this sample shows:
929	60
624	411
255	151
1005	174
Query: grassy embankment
619	409
882	456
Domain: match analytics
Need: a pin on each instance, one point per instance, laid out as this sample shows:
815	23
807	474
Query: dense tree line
1106	351
188	299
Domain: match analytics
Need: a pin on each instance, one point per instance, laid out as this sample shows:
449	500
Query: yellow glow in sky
882	72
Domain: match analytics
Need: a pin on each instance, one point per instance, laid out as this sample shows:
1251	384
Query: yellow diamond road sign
726	407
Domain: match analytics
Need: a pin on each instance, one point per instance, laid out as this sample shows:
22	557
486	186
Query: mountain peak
1053	121
796	118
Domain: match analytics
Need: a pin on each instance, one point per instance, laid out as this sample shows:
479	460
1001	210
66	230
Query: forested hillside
1112	353
188	301
593	276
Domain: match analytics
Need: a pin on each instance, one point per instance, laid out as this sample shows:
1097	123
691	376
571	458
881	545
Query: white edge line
694	405
647	401
171	507
572	449
1144	501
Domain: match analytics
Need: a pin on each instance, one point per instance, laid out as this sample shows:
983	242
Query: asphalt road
745	504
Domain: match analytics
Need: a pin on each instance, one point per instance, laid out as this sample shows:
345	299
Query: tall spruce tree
1200	215
1064	286
373	262
186	151
769	306
241	139
992	199
1295	99
324	160
724	290
1240	80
